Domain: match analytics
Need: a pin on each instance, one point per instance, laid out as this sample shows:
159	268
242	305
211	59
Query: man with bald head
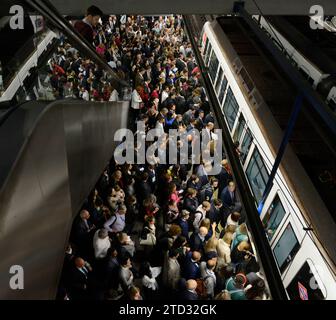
197	240
78	279
81	231
191	268
189	293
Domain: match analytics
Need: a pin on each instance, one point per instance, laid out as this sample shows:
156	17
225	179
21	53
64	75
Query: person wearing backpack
200	214
235	286
208	277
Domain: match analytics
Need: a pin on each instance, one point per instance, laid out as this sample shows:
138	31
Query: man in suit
81	230
78	279
183	223
189	293
228	196
191	268
223	177
215	210
197	240
112	269
144	187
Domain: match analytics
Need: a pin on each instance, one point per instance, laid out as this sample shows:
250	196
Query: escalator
53	152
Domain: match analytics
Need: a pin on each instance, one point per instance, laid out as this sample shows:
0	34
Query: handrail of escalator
47	10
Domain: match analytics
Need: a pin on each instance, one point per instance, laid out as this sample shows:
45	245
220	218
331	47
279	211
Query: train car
315	75
299	226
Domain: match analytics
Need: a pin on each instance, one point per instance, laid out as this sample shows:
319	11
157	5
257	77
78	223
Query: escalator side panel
46	187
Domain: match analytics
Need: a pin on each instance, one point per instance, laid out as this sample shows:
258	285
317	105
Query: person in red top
86	26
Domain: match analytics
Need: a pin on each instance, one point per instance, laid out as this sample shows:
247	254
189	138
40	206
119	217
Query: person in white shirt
114	95
160	125
224	250
85	94
101	243
117	222
200	214
136	100
165	94
233	219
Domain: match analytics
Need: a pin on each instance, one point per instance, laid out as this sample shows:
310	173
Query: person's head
173	253
240	280
194	178
131	200
232	186
179	242
242	228
102	234
191	284
211	264
203	231
227	238
206	222
227	271
93	14
134	293
218	203
231	228
206	205
235	216
185	214
79	262
171	187
191	193
211	244
122	238
174	230
223	295
85	215
244	245
144	176
214	182
125	261
112	252
117	175
196	256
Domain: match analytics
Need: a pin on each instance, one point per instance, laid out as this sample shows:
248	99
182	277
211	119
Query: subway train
322	81
299	225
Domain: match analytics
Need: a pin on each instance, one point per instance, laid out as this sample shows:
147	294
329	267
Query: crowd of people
155	230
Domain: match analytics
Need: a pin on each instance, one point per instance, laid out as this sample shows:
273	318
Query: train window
222	90
206	46
245	146
213	66
230	108
218	80
304	285
239	130
286	248
207	55
274	216
257	175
